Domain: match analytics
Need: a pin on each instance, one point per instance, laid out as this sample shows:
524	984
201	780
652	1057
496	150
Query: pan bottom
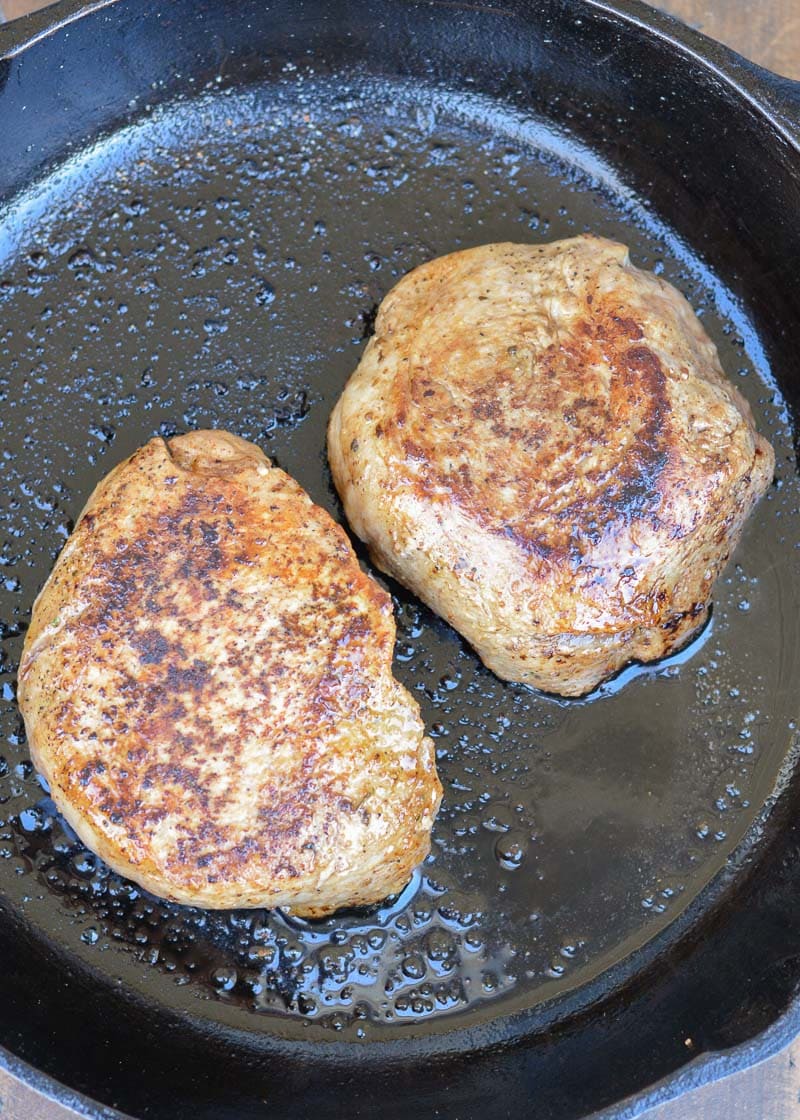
218	263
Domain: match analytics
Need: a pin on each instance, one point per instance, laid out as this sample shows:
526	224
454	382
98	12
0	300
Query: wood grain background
767	31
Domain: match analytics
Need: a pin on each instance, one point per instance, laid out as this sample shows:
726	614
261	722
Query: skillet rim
776	100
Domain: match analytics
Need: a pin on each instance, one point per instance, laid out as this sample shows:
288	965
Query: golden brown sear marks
207	687
540	442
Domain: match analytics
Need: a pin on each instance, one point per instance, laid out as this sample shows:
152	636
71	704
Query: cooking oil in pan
219	264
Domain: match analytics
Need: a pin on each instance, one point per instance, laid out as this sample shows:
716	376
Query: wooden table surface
767	31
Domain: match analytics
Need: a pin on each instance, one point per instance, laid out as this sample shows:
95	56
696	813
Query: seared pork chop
207	687
540	442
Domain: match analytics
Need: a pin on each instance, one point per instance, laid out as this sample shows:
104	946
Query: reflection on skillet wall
199	237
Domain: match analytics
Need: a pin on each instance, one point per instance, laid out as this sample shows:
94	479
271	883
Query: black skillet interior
202	208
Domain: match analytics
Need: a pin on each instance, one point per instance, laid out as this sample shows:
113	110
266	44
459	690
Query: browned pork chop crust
207	687
540	442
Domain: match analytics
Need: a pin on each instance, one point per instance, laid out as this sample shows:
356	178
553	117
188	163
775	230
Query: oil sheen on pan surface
218	264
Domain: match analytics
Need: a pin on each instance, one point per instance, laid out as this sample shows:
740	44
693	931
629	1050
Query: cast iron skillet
202	205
